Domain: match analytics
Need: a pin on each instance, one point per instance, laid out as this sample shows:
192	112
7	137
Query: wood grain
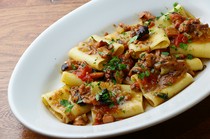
21	22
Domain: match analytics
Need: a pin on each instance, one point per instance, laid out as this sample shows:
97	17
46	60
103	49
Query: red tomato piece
180	39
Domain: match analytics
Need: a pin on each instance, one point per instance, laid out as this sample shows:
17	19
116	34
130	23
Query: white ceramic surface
37	71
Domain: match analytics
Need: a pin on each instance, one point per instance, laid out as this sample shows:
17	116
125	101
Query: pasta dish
116	76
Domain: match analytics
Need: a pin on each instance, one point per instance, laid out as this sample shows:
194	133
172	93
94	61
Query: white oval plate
37	71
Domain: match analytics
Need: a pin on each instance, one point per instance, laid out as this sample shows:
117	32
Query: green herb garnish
122	66
117	74
92	38
177	55
96	59
114	81
104	97
112	50
147	73
112	64
111	41
142	55
99	85
100	53
165	53
175	4
147	23
167	17
113	94
80	101
189	56
115	64
120	99
163	96
174	47
175	10
141	75
67	105
184	46
133	39
151	31
73	67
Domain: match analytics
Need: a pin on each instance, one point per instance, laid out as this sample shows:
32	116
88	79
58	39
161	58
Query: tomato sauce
83	72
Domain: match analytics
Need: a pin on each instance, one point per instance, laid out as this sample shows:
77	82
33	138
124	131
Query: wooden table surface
21	22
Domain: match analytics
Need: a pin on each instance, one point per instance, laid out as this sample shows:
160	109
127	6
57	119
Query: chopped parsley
151	31
73	67
147	73
163	96
99	85
124	33
114	81
175	4
80	101
67	105
120	99
167	17
112	50
115	64
112	64
143	74
113	94
142	66
184	46
89	84
96	59
111	41
142	55
104	97
189	56
117	74
122	66
100	53
148	22
92	38
165	53
133	39
177	56
174	47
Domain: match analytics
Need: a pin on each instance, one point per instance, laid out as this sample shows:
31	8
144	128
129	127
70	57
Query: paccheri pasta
111	77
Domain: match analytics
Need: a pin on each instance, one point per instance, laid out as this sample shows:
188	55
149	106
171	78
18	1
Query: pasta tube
52	101
157	40
125	109
94	61
164	22
201	49
157	97
194	64
70	79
